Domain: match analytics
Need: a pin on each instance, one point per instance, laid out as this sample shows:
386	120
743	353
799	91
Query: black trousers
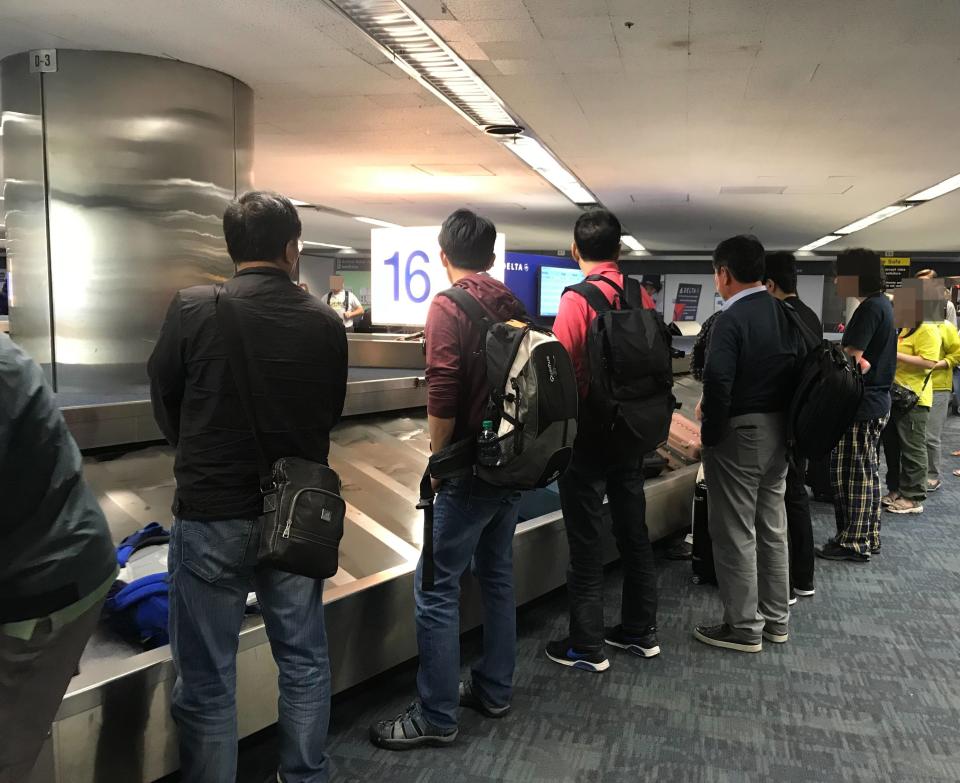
891	452
799	530
593	472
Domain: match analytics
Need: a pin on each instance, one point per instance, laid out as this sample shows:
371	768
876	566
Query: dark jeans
212	568
799	530
905	449
473	522
594	471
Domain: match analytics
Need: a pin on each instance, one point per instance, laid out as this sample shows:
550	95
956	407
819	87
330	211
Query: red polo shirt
575	316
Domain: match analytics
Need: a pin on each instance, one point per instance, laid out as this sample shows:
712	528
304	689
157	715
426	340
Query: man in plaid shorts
871	339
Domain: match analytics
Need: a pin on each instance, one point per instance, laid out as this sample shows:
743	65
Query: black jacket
751	363
299	347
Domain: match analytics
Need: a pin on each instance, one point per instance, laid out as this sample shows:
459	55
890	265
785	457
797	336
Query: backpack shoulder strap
592	294
810	340
475	311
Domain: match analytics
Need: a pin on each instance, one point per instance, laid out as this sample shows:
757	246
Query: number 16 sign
406	273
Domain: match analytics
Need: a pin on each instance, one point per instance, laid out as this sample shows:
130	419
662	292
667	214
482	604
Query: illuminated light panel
631	242
326	244
940	189
545	163
819	243
876	217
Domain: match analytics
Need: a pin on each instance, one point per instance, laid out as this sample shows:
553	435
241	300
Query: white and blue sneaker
562	652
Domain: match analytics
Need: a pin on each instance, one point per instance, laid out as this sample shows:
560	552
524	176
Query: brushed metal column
141	155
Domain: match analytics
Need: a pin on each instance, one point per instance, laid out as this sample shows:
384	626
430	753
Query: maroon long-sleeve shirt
456	373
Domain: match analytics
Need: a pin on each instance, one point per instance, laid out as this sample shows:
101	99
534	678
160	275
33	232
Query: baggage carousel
114	723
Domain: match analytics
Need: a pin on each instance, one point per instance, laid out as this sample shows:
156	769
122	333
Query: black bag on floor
818	479
704	571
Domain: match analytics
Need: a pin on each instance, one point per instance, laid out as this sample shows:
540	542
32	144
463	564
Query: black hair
781	268
864	264
468	240
597	234
259	225
743	256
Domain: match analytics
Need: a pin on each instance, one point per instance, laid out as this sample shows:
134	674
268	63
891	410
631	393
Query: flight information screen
553	280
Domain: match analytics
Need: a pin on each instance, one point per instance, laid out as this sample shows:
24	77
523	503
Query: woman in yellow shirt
942	381
905	437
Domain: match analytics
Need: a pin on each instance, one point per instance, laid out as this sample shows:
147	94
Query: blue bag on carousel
138	608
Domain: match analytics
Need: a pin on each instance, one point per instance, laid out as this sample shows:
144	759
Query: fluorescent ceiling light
876	217
541	160
375	222
819	243
326	244
631	242
941	189
414	46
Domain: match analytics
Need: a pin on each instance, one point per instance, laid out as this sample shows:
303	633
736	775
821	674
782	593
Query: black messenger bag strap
238	362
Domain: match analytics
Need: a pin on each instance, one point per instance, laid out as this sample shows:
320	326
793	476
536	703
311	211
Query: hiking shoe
905	506
645	645
834	551
472	700
410	730
724	636
772	634
562	652
889	498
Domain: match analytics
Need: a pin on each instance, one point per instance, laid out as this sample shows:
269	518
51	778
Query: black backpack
631	367
826	398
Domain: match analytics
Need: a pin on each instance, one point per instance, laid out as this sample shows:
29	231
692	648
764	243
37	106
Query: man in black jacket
781	282
297	363
747	385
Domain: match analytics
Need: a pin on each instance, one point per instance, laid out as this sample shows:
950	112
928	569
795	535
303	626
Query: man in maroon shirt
472	520
601	467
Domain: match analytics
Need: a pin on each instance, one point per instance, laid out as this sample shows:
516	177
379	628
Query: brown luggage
683	443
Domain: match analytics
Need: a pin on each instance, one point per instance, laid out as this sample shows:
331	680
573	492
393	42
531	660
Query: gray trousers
746	480
34	675
938	416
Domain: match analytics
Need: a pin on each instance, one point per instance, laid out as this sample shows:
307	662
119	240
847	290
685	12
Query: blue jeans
212	568
472	521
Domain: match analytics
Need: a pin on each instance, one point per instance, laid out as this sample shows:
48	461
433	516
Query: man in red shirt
599	468
472	520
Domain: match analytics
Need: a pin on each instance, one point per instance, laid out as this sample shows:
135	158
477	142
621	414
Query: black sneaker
875	550
470	699
834	551
724	636
562	652
410	730
776	635
645	645
805	592
792	600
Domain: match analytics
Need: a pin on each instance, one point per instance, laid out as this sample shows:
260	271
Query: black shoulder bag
302	521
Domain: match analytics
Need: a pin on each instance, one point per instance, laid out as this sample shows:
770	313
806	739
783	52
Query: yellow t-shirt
924	342
950	350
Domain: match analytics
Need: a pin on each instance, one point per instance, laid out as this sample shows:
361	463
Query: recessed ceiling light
819	243
940	189
876	217
631	242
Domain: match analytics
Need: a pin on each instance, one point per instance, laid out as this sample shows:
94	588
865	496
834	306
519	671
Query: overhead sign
406	273
895	271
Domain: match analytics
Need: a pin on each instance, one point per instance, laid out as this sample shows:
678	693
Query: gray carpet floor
867	689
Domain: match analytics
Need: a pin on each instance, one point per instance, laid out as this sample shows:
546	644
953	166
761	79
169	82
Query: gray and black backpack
533	398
